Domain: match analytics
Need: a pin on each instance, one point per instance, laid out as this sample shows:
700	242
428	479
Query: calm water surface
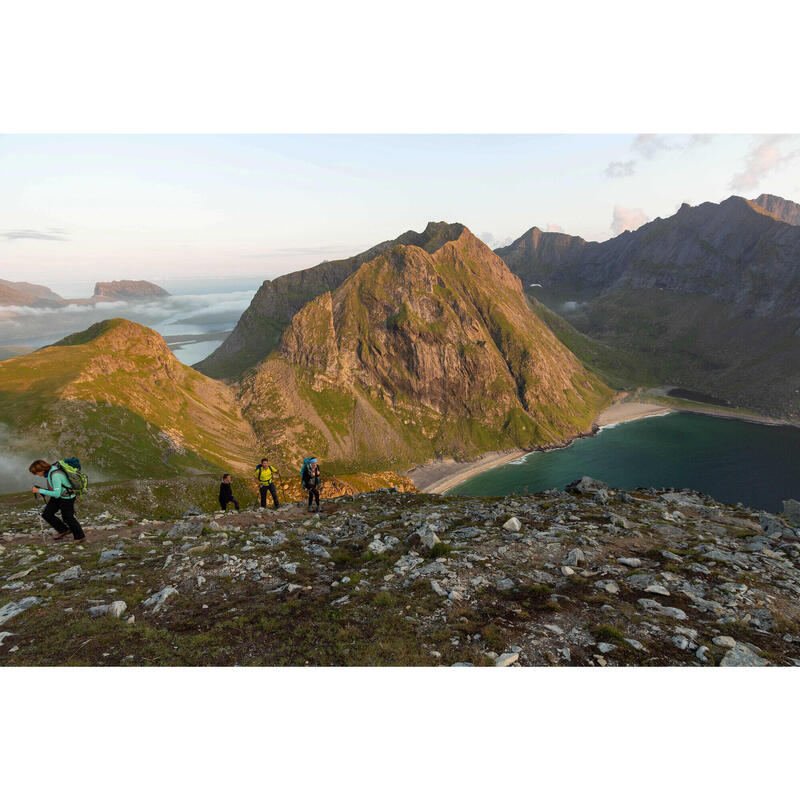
731	460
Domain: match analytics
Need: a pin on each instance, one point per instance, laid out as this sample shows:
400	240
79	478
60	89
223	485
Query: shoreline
436	477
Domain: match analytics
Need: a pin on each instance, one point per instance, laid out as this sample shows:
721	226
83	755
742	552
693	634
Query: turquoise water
731	460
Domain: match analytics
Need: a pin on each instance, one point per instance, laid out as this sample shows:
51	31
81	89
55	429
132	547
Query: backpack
71	467
304	471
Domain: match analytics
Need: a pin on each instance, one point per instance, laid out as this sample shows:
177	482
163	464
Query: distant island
19	293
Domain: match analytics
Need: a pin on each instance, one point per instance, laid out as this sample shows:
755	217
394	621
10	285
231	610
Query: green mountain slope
420	352
116	397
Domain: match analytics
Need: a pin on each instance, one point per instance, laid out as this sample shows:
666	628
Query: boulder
13	608
71	574
587	485
110	555
513	525
742	656
574	557
117	608
156	601
791	510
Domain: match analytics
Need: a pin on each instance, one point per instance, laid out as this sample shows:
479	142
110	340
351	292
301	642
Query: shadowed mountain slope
708	298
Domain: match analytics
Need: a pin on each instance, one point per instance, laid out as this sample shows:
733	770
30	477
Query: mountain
784	210
275	303
708	298
115	395
127	290
422	350
19	293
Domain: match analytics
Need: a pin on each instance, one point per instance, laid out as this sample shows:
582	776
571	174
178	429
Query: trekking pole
39	514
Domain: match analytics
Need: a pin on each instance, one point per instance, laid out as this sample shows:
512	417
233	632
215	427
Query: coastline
620	412
437	477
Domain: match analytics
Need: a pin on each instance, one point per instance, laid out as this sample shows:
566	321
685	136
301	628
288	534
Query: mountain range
708	299
432	345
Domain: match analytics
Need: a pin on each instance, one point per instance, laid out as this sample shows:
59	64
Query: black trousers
313	494
263	492
224	503
66	508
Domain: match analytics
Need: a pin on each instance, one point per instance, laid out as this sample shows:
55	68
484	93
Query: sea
194	320
732	460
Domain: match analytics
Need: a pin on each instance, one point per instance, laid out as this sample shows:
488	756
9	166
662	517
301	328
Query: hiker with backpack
264	475
62	489
309	475
226	493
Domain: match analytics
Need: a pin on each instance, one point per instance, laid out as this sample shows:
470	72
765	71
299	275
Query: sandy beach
439	476
627	412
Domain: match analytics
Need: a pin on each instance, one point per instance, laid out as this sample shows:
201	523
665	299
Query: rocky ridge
589	576
259	329
706	299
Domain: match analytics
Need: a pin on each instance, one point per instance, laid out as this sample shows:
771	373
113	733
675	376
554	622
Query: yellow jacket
264	475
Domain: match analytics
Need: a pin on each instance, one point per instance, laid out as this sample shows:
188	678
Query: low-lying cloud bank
17	457
40	326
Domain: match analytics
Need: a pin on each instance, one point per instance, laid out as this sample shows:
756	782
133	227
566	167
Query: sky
75	209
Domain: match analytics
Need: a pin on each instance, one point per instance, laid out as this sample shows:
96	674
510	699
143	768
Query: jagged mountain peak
275	303
784	210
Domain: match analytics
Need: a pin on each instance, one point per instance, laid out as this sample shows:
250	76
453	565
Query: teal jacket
61	486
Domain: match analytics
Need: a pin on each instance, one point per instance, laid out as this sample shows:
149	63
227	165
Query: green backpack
71	467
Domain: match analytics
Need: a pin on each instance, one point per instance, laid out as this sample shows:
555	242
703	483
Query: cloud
553	228
490	240
620	169
767	154
166	314
50	235
651	145
627	219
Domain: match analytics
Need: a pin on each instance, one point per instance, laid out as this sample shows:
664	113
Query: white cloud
620	169
553	228
200	311
490	240
767	154
627	219
50	235
652	144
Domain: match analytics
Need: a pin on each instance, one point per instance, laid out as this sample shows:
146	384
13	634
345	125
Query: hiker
311	481
226	493
61	499
264	475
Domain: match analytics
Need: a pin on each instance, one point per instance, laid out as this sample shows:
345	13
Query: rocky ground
585	577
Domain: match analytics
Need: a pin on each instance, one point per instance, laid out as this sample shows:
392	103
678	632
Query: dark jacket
225	492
